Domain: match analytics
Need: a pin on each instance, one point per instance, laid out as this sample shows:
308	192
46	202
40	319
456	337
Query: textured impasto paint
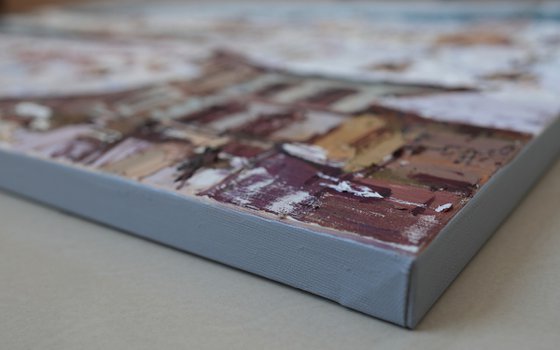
382	163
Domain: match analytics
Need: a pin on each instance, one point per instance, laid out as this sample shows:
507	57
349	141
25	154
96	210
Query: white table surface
66	283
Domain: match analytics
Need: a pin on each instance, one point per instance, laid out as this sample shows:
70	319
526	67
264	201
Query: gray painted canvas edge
436	267
366	278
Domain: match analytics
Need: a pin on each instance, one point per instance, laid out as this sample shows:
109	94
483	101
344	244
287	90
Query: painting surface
376	131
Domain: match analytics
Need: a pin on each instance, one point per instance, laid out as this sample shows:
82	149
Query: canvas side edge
442	261
363	277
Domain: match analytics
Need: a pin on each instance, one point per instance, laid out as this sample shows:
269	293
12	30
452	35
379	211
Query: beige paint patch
149	161
6	130
376	151
339	143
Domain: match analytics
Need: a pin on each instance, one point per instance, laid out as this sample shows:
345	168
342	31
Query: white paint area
406	248
355	102
46	142
253	112
327	177
232	121
443	207
527	111
456	66
419	230
299	92
245	195
78	150
206	178
287	203
314	123
253	172
124	150
39	113
33	110
238	162
311	153
91	66
254	188
347	187
405	202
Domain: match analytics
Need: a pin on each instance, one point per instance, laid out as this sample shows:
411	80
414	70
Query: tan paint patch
148	162
376	151
339	142
6	130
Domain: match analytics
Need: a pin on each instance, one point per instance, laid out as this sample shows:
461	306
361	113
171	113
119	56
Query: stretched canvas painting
365	126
